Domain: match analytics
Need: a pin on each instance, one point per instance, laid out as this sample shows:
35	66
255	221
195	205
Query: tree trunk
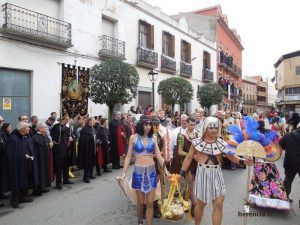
173	105
110	112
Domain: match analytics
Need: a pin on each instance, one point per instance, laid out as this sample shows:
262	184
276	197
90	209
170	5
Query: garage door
14	87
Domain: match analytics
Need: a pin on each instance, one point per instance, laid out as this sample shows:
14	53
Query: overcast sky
268	29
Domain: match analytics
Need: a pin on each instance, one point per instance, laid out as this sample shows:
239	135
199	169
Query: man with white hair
41	145
23	172
176	159
209	183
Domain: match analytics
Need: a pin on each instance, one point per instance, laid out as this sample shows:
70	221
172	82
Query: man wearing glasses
209	184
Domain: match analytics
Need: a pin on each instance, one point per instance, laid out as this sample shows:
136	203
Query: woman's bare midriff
201	158
144	160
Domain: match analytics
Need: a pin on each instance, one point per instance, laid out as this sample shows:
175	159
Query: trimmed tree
113	82
175	90
209	94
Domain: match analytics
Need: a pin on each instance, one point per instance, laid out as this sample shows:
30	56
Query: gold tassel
71	175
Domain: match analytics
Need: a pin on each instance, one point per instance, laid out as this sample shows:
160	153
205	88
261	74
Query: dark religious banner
74	90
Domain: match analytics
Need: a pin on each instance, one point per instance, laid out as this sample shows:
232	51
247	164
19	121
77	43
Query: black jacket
291	144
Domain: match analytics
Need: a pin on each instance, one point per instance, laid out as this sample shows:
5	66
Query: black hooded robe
42	151
87	148
23	173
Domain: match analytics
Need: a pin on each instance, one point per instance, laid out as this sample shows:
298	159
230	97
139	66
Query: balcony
261	93
186	69
207	75
168	64
33	25
226	62
147	58
262	103
111	48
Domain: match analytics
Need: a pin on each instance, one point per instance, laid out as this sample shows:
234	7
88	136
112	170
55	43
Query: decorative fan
252	149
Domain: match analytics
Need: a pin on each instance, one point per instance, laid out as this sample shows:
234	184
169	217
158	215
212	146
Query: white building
272	95
37	36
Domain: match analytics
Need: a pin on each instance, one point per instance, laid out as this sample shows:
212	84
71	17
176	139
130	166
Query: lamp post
153	77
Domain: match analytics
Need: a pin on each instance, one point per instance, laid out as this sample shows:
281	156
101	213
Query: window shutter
172	47
188	58
208	60
163	43
139	34
150	38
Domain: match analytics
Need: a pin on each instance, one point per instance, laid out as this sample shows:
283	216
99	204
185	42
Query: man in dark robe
42	151
114	128
87	149
23	171
4	184
104	138
60	138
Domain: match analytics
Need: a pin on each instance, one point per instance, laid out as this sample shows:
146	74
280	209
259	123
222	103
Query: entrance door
144	99
14	85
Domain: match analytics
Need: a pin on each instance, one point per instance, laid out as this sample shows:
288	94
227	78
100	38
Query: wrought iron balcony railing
226	61
186	69
168	64
111	47
34	25
207	75
147	57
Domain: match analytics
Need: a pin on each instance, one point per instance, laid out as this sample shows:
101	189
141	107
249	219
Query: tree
175	90
113	82
209	94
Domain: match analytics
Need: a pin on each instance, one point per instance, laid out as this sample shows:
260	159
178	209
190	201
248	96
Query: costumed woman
209	183
144	145
266	187
183	149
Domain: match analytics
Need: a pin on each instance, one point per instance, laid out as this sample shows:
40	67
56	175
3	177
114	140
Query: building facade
272	96
249	89
262	94
287	82
37	37
229	59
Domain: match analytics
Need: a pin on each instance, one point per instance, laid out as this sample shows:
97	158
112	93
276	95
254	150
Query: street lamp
153	77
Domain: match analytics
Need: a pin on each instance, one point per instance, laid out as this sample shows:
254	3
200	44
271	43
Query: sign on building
6	104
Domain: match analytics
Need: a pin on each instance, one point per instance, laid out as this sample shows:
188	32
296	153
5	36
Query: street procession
174	119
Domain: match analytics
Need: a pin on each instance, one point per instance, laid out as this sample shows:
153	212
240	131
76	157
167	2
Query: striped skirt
209	183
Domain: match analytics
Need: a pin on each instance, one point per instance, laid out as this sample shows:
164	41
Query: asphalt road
103	203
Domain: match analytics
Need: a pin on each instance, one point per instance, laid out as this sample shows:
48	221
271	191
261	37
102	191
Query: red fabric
51	165
99	156
121	143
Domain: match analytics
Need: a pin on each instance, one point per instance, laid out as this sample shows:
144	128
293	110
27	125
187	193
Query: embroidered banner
74	90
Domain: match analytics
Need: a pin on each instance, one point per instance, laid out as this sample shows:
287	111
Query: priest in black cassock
87	149
21	158
114	125
41	147
60	134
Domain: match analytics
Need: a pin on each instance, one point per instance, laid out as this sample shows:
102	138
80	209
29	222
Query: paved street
101	202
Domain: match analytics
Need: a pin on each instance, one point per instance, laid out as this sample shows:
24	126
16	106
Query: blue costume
144	177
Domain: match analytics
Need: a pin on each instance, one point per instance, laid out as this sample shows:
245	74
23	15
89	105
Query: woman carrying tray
144	145
209	184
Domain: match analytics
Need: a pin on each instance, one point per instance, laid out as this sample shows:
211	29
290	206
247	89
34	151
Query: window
206	60
297	70
185	51
168	44
146	35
